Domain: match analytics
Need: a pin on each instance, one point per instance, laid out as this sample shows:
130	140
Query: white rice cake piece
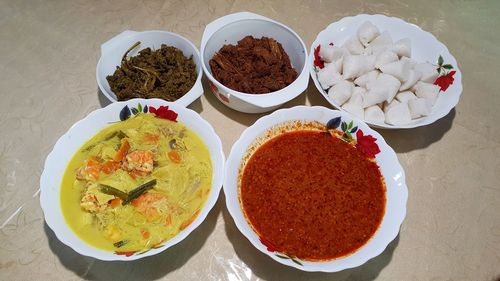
366	78
427	91
429	72
387	105
341	92
367	32
405	96
389	82
329	76
398	69
419	107
398	114
374	96
413	77
385	57
380	43
354	46
356	65
409	61
355	103
374	114
329	53
402	47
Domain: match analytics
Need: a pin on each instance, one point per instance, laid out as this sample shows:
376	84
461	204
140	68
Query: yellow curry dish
136	183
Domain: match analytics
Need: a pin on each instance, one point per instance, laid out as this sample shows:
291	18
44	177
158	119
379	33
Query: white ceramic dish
113	50
396	194
79	133
234	27
425	48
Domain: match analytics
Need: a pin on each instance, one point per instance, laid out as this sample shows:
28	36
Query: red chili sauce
313	196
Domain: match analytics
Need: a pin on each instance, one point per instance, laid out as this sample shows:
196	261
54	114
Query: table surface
48	54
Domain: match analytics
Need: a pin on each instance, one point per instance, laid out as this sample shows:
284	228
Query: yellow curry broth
182	186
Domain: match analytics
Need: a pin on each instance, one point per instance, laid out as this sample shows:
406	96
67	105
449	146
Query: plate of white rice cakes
385	71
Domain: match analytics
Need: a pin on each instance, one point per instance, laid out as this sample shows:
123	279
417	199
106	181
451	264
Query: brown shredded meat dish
253	66
164	73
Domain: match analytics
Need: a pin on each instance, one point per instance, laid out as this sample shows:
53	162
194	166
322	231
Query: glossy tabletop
48	54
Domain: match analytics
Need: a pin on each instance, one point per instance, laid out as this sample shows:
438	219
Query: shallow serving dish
234	27
425	48
113	50
396	190
79	133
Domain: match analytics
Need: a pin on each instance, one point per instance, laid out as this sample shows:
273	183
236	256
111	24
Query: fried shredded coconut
254	66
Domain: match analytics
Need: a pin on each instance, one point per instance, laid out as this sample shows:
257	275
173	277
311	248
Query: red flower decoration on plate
367	144
212	85
164	113
445	81
317	60
270	247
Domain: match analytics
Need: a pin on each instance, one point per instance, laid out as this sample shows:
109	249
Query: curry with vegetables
136	184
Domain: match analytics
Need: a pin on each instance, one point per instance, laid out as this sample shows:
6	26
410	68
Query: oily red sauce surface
312	195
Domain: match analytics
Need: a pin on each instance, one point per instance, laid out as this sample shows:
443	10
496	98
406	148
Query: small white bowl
393	173
112	52
425	48
79	133
234	27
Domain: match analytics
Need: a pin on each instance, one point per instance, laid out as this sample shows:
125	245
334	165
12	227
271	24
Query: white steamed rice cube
429	72
419	107
355	103
374	96
385	57
389	82
427	91
398	114
328	76
410	61
413	77
366	78
398	69
329	53
387	105
405	96
341	92
374	114
402	47
367	32
356	65
380	43
354	46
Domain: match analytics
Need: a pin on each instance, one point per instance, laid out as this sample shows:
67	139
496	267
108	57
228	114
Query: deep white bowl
394	176
234	27
112	52
83	130
425	48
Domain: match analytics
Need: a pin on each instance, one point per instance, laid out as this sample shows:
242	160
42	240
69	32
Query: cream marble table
48	54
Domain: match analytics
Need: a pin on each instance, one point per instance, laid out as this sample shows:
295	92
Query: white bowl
234	27
112	52
425	48
394	176
79	133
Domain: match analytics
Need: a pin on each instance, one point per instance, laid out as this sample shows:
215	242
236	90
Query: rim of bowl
211	78
199	68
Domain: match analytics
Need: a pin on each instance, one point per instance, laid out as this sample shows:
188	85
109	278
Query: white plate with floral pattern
83	130
425	48
355	132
